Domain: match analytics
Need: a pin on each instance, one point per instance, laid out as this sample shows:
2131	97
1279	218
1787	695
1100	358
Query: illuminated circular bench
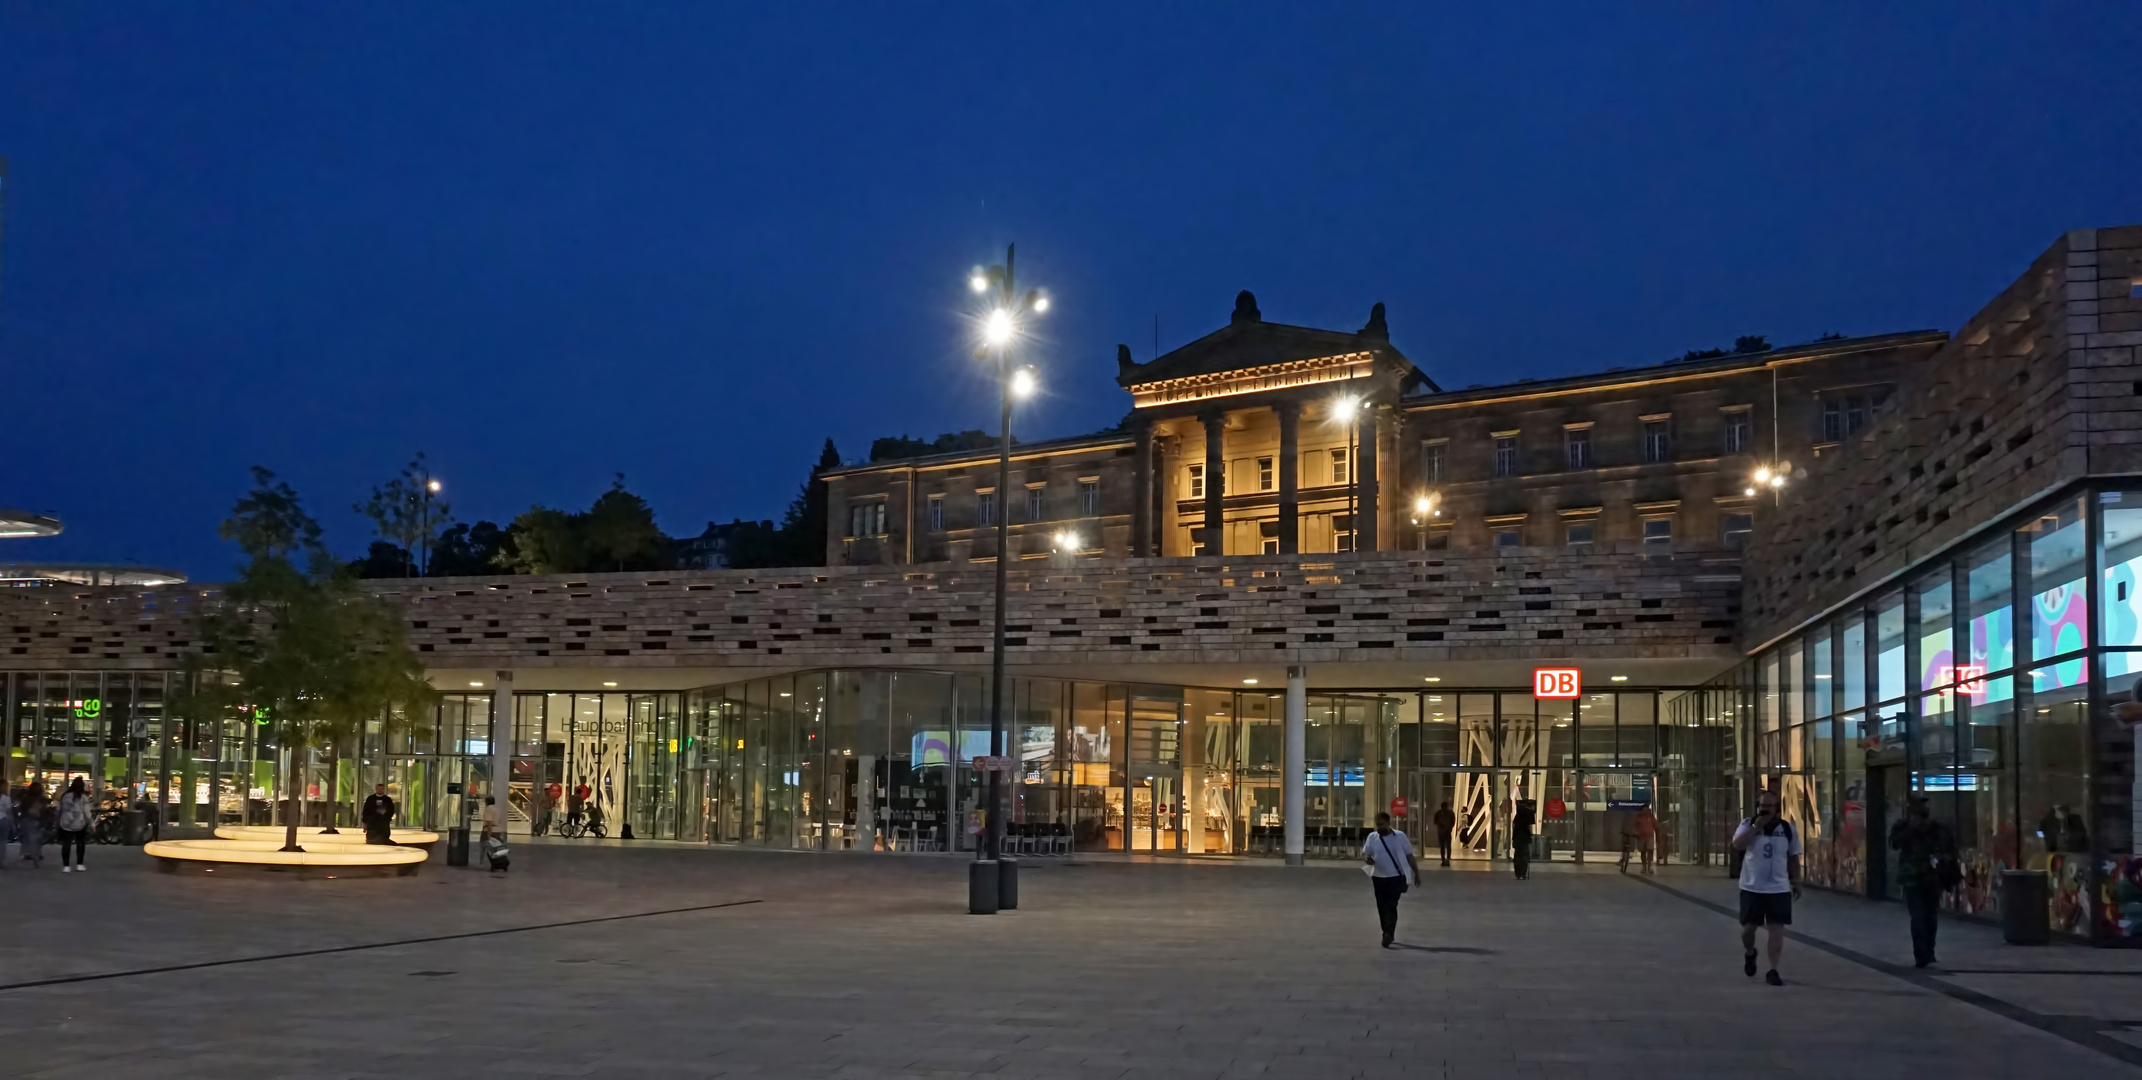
339	860
314	838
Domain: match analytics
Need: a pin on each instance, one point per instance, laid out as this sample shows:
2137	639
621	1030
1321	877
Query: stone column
1290	455
1191	821
1141	544
500	787
1365	480
866	794
1215	530
1292	795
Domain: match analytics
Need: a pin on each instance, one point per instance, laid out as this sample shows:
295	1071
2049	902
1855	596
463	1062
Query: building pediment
1251	356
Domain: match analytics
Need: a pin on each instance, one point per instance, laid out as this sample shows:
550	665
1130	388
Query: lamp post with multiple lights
1002	322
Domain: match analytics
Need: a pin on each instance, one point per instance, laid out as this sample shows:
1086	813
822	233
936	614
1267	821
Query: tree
469	550
408	513
298	645
382	560
618	532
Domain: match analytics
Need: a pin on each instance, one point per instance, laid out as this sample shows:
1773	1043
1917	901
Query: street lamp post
431	487
1000	327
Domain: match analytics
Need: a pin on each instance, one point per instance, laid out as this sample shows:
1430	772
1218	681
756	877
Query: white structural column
501	784
866	813
1291	793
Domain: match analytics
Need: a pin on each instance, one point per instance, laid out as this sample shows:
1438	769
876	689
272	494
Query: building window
866	518
1508	538
1439	539
1197	481
1658	535
1736	529
1577	448
985	508
1844	415
1506	455
1268	537
1267	478
1434	457
1579	535
935	514
1737	430
1089	498
1339	473
1342	532
1658	440
1035	501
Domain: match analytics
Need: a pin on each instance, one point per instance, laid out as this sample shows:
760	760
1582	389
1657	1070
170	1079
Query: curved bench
310	837
335	859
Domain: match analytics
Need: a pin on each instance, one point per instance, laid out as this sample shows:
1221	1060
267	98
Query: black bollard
982	886
1007	884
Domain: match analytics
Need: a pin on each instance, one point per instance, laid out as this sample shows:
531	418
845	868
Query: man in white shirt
1389	856
1769	881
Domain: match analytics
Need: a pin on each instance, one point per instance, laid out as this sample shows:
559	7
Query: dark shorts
1758	908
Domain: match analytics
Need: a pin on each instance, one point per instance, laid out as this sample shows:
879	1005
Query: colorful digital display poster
2059	623
2123	603
935	747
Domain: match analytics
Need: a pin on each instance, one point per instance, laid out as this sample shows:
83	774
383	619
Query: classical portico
1265	438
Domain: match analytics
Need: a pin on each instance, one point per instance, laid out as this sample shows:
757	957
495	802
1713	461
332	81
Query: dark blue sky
547	243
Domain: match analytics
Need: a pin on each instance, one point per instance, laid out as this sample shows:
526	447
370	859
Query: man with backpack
1768	848
1388	858
1926	867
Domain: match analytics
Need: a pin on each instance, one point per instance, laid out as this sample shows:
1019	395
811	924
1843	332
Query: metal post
1292	787
992	821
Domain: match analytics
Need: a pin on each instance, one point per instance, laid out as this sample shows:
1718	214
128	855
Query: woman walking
76	813
30	823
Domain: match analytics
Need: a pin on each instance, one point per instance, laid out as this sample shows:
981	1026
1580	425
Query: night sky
547	243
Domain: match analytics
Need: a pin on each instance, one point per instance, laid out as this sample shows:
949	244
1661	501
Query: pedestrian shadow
1462	950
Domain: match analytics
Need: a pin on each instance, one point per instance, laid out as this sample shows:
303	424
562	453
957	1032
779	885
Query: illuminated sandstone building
1255	638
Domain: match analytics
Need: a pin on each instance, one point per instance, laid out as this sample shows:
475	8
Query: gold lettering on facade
1293	373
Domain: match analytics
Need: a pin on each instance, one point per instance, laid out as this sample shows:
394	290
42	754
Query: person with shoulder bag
76	815
1387	858
1927	867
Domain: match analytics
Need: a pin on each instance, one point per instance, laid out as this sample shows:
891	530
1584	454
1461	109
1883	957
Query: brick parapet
1532	603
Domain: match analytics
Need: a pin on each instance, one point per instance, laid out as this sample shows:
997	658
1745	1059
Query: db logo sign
1550	682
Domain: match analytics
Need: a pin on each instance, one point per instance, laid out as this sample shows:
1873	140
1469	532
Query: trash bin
457	846
1007	884
982	887
137	827
2023	915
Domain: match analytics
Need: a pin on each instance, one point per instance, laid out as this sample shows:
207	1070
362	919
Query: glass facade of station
1997	680
882	760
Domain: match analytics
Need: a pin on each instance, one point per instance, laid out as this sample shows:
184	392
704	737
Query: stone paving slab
867	966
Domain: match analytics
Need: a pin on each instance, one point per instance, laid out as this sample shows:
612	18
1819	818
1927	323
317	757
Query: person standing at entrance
379	816
30	823
1389	858
1521	825
75	816
1446	822
1926	868
1769	849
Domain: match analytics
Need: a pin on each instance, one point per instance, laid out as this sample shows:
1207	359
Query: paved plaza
616	961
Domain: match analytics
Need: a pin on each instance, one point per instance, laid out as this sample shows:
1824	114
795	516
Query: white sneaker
66	869
81	868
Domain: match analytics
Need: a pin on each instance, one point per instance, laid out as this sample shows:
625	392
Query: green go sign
89	708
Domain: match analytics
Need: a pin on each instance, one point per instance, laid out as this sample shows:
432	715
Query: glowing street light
1000	331
1067	542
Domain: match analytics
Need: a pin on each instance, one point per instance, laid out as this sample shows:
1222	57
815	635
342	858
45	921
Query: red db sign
1398	806
1549	682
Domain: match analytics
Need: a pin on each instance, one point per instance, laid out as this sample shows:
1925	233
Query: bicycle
572	829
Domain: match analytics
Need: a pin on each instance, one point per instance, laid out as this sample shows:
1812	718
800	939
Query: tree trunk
290	817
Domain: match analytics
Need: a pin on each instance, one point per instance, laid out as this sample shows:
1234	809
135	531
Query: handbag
1371	869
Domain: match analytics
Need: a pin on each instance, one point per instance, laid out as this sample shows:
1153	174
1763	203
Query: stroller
496	854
